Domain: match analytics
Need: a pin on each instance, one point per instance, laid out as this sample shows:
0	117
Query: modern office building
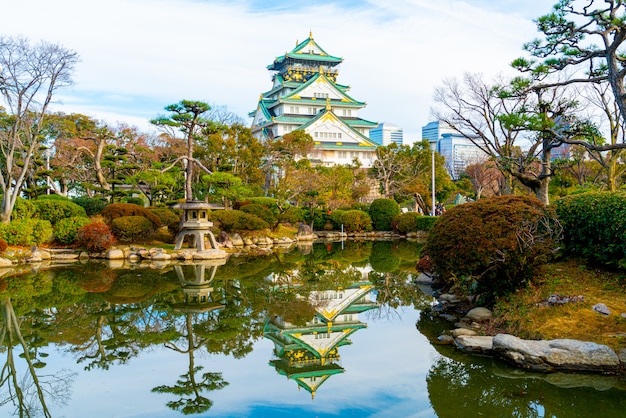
386	133
457	149
305	96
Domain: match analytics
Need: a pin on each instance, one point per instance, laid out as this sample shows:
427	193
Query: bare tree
29	77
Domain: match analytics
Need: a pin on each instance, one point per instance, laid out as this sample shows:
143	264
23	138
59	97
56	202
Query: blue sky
138	56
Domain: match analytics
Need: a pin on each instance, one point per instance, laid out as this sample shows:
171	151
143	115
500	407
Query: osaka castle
305	96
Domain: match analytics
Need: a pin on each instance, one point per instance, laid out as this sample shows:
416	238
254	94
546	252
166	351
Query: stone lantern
196	224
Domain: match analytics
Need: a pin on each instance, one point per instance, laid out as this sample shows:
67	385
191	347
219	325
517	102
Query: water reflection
309	353
197	325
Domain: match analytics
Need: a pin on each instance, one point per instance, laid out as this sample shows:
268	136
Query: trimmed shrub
292	215
131	228
95	237
262	212
335	218
425	223
92	205
23	209
317	218
269	202
52	197
492	246
65	230
233	220
382	211
356	221
405	222
117	210
3	246
26	232
54	210
167	217
595	226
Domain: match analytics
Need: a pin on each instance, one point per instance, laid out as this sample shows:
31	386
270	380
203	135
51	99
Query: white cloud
151	53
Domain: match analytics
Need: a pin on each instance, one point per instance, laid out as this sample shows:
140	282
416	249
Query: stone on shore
562	354
479	315
475	344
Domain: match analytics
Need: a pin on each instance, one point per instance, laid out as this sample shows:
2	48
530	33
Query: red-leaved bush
95	237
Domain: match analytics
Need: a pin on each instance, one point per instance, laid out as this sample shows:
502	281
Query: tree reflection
28	393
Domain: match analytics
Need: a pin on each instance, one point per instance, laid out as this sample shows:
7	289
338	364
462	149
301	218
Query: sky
138	56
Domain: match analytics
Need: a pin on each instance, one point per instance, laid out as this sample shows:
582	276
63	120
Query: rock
210	254
560	354
474	344
161	257
450	298
601	308
479	314
463	331
4	262
114	254
66	256
236	239
445	339
304	229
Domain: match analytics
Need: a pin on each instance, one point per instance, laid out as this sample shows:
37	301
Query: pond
331	330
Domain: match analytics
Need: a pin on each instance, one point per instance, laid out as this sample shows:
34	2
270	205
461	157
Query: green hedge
65	230
26	232
261	211
131	228
356	221
234	220
382	211
595	226
92	205
54	210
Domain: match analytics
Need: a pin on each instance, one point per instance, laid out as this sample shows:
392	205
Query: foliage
292	215
425	223
492	246
356	221
117	210
335	218
52	197
382	212
54	210
23	209
269	202
131	228
261	211
405	222
3	246
65	230
135	200
233	220
167	217
95	237
26	232
595	226
317	217
92	205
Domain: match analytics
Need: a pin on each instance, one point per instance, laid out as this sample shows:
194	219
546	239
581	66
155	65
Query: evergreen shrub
335	218
65	230
117	210
318	218
135	200
167	217
292	215
269	202
262	212
492	246
426	222
382	211
234	220
92	205
132	228
95	237
405	222
595	226
23	209
26	232
54	210
356	221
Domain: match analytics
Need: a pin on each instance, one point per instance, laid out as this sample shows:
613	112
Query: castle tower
305	96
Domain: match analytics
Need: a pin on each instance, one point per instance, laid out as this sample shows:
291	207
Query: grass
521	313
